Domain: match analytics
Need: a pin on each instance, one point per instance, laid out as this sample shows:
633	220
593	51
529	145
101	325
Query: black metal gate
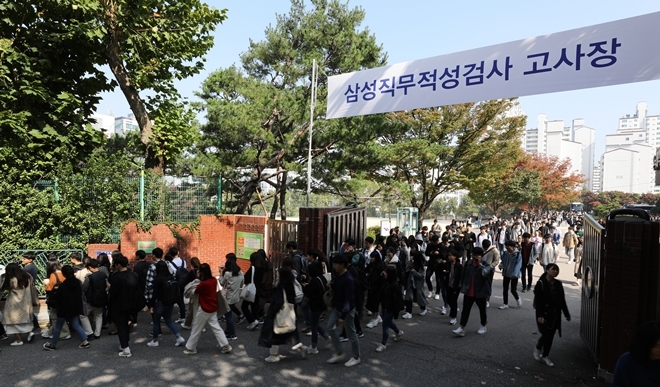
279	233
592	270
343	224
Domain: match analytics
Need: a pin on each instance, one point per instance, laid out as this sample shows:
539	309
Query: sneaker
184	326
84	346
253	325
482	330
336	358
369	313
241	319
343	339
232	337
261	321
536	354
407	315
430	295
5	337
313	351
452	321
397	336
190	351
49	347
308	333
524	290
126	352
226	349
380	320
459	332
181	320
373	323
549	362
153	343
423	312
96	337
519	302
360	334
179	341
443	311
487	304
272	359
306	329
30	337
328	344
16	343
504	306
381	348
437	297
67	337
353	362
529	288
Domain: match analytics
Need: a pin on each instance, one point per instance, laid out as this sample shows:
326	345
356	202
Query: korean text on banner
622	51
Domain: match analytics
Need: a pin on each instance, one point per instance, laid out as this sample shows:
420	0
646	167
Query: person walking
232	281
343	311
18	311
52	282
122	291
254	275
550	302
415	286
570	242
161	306
206	289
314	292
27	260
510	266
69	308
454	283
392	304
475	288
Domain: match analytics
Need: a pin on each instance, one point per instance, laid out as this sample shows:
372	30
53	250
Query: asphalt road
428	354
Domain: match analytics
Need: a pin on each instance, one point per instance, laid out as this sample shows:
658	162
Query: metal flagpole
311	126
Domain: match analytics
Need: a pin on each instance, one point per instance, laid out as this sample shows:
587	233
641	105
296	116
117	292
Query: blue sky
416	29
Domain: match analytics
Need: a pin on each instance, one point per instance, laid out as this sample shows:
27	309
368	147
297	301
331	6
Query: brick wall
94	249
215	238
311	228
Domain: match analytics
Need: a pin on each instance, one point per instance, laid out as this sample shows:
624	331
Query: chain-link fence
40	260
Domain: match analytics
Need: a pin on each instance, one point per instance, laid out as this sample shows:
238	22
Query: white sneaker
443	311
397	336
336	358
272	359
504	306
536	354
423	312
380	320
519	302
459	332
372	323
179	341
487	304
313	351
482	330
452	322
548	362
153	343
437	297
126	352
369	313
352	362
253	325
381	348
430	295
407	315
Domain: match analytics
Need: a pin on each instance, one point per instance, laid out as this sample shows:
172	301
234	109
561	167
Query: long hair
205	271
13	270
647	336
52	267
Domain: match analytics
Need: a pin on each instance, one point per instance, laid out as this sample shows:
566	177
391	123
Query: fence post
142	195
219	201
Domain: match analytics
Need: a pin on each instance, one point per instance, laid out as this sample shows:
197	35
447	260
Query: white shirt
179	262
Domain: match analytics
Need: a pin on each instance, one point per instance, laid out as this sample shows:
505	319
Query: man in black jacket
69	308
123	293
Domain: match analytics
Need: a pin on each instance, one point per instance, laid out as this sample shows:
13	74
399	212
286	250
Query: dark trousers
467	306
250	310
409	306
545	341
514	283
121	321
525	273
235	310
453	294
429	283
182	307
316	327
388	323
491	275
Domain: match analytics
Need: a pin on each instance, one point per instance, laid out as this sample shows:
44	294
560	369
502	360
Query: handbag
285	319
299	291
34	294
249	292
326	274
327	298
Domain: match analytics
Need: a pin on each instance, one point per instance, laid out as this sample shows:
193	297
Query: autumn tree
258	112
437	150
559	185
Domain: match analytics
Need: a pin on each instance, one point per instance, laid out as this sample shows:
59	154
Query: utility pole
312	105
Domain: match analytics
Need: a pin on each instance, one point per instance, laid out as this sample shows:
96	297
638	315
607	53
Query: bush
374	232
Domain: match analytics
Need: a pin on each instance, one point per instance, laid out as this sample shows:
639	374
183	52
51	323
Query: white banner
623	51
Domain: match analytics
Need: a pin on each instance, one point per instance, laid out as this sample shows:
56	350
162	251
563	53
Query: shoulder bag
285	319
249	292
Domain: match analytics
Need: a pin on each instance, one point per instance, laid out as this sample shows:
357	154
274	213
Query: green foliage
258	113
374	232
601	203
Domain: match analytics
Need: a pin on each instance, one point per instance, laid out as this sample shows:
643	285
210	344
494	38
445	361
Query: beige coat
570	240
233	284
18	308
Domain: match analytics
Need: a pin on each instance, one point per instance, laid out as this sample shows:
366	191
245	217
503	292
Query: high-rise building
126	124
596	179
104	123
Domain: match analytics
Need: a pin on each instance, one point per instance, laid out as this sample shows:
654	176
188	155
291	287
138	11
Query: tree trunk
283	196
273	210
132	95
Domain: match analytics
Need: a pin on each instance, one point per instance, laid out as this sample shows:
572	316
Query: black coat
69	298
123	292
314	291
268	338
550	302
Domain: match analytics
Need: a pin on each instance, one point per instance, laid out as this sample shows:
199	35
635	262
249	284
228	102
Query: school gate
620	283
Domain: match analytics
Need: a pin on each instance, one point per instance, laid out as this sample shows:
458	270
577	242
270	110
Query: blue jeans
165	311
75	324
316	328
388	322
349	325
231	327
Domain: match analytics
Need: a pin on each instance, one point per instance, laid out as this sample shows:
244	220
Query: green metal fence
40	260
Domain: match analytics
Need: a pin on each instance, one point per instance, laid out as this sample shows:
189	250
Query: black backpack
181	275
97	299
170	291
51	299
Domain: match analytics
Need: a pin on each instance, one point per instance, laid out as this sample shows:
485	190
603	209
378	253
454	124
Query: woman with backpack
53	281
166	294
314	292
392	304
376	283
